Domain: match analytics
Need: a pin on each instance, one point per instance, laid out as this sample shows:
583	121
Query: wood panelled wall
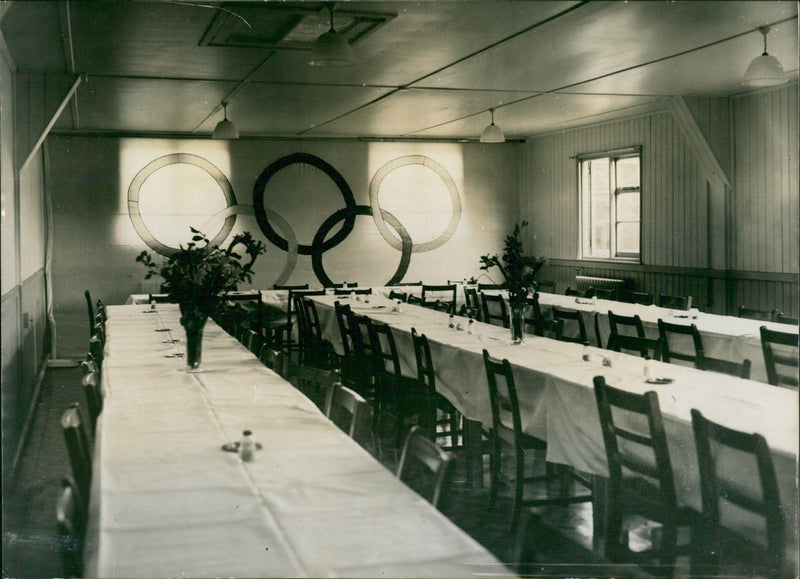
755	141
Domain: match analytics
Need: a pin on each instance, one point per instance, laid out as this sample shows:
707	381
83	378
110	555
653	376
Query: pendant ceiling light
331	48
765	70
492	133
225	129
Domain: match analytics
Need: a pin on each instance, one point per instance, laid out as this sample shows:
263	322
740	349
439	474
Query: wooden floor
31	547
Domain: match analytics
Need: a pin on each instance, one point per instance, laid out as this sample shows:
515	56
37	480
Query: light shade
331	49
492	133
225	129
765	70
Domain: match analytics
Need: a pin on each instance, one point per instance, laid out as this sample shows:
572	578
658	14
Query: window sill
626	260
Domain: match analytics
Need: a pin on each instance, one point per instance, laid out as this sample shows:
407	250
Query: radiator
584	282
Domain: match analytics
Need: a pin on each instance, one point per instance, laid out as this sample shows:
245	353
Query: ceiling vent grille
286	26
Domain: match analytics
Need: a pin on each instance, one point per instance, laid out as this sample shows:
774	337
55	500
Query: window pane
599	176
628	238
628	172
600	240
628	207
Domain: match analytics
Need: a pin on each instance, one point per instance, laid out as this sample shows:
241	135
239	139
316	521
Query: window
610	208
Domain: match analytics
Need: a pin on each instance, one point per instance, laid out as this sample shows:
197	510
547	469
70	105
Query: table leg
474	453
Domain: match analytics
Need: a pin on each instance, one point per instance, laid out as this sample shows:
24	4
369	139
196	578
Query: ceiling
424	70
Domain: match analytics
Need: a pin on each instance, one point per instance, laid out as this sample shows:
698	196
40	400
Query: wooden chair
495	310
617	322
642	298
160	299
489	286
721	546
274	359
396	394
603	293
316	356
640	472
341	401
290	287
648	348
547	286
78	450
90	309
436	461
573	292
572	316
397	295
738	369
94	400
439	411
674	302
670	333
343	285
780	356
71	520
346	291
414	300
434	293
761	315
472	305
784	319
507	429
408	283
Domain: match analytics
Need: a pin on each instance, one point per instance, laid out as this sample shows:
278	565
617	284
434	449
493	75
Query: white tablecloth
557	400
167	501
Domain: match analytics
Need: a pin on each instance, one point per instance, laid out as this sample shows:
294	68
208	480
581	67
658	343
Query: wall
456	202
688	219
24	109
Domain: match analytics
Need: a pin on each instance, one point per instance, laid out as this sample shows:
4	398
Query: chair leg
614	548
519	487
494	469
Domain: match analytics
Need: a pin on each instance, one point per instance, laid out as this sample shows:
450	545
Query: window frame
585	207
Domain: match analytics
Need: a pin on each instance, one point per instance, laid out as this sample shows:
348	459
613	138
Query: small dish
234	446
659	380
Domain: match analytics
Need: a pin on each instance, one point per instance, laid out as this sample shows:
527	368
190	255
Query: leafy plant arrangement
519	271
199	275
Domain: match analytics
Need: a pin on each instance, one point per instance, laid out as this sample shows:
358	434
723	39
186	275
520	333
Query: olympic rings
291	254
327	225
261	215
377	213
171	159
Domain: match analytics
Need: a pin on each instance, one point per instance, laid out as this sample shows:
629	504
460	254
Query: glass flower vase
193	322
517	324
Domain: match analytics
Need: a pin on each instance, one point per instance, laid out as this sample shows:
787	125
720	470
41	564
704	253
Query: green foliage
199	275
519	271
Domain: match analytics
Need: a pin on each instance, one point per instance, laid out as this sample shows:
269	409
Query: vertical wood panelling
765	196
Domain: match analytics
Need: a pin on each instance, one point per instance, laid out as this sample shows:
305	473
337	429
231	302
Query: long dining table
557	403
168	501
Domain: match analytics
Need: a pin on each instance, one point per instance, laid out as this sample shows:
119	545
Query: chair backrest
675	344
616	322
408	283
719	447
754	314
342	319
634	437
489	286
290	287
90	309
738	369
603	293
440	293
784	319
361	342
341	400
495	310
160	299
780	356
346	291
414	300
472	304
573	292
502	395
273	359
643	298
546	285
648	348
545	327
417	448
384	349
426	374
94	400
78	450
577	319
71	520
675	302
398	295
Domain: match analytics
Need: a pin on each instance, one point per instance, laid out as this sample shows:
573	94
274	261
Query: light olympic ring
291	254
171	159
377	213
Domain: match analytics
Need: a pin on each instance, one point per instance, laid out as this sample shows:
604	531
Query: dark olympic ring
335	217
171	159
261	215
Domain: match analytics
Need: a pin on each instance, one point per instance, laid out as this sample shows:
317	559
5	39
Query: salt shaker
470	326
152	304
586	353
451	323
247	446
